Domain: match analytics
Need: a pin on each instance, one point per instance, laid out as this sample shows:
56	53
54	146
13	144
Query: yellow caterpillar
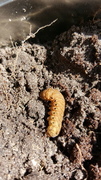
57	107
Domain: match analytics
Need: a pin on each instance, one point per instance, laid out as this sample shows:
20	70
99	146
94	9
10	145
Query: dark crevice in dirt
54	159
1	60
28	171
16	84
27	110
8	70
28	89
62	148
98	86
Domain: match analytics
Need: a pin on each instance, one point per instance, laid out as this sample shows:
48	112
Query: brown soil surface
72	64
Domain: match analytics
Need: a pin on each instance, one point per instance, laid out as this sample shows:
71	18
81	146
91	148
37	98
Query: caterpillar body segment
53	129
57	108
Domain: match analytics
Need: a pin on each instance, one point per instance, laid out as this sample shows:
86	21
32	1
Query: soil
72	64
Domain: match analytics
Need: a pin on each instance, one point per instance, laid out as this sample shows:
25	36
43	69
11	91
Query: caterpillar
57	108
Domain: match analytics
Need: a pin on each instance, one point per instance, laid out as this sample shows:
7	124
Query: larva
57	107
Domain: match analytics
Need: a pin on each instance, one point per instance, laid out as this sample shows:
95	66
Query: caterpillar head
46	94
